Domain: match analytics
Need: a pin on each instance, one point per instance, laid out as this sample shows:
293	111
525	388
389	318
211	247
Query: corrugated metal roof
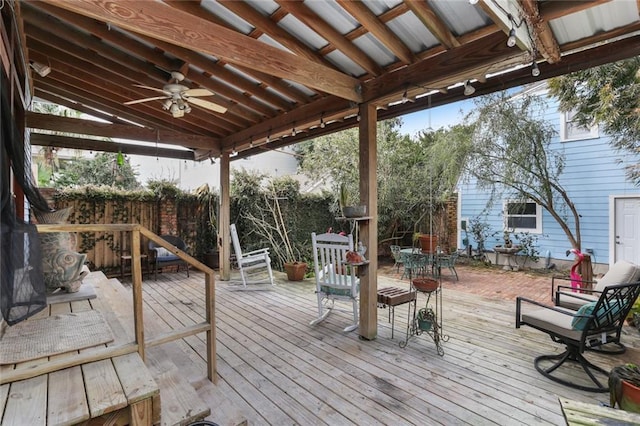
272	63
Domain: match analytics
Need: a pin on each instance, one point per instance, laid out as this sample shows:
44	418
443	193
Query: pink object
576	279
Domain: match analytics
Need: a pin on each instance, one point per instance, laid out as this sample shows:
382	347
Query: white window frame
538	216
564	121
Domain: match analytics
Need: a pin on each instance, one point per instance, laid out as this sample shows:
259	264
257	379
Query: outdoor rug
53	335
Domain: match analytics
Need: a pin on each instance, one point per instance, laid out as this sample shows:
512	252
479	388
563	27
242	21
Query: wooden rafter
165	23
370	21
109	130
326	31
430	19
546	44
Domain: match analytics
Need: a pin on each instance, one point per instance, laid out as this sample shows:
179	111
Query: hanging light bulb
322	123
269	136
468	88
535	71
293	132
511	41
473	1
251	142
405	98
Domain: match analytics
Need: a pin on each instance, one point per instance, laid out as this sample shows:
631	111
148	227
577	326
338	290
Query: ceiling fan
177	97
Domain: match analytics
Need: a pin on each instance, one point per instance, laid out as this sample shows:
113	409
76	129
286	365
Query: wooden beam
558	8
163	22
76	106
273	30
545	42
377	28
432	21
443	70
109	130
368	327
278	84
85	144
326	31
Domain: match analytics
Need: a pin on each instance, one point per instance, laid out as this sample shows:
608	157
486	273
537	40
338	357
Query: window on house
523	216
570	129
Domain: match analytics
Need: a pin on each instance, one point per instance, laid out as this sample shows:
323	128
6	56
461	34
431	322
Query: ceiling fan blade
197	92
137	101
155	89
207	105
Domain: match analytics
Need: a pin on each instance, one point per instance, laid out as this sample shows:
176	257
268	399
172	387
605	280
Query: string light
404	97
535	71
322	123
468	88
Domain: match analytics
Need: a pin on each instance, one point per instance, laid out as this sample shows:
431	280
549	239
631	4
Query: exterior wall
593	171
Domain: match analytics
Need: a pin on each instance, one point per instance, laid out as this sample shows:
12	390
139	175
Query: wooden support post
224	219
210	297
369	229
136	278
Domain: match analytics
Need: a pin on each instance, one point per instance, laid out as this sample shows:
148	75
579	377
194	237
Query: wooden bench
391	297
118	389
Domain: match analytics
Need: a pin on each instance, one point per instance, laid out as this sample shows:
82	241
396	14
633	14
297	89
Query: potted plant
346	206
207	237
624	387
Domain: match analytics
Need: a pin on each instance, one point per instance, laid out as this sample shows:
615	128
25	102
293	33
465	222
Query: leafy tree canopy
608	95
109	169
413	176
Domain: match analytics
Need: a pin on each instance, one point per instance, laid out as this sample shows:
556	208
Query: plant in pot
348	207
207	230
624	387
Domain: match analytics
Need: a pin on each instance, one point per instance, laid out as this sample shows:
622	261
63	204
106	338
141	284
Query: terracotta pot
295	270
426	285
630	400
428	243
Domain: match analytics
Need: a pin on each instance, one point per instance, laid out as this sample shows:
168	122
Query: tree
108	169
509	154
413	176
608	95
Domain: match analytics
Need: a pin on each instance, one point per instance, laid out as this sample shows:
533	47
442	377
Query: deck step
179	401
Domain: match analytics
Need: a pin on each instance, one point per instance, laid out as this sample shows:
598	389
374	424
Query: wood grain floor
276	369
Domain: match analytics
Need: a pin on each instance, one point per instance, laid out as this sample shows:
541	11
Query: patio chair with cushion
159	257
568	297
252	262
595	324
335	279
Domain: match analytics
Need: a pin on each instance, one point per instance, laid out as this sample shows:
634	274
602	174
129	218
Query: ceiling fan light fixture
167	104
468	88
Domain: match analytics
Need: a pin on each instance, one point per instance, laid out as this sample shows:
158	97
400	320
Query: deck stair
179	401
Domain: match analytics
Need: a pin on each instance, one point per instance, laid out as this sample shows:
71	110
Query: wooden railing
139	344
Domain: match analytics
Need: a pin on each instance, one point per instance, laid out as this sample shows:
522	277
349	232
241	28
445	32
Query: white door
627	230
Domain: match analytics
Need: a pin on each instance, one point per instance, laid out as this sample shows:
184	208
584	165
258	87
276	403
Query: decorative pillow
163	252
579	323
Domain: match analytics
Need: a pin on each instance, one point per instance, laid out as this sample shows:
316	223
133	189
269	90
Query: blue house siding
592	173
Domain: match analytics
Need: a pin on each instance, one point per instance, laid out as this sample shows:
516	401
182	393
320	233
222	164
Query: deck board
276	369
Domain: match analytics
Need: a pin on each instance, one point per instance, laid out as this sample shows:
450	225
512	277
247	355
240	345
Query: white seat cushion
622	272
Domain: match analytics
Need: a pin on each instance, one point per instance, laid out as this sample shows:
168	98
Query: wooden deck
276	369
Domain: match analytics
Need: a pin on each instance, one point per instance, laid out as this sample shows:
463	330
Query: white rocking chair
335	279
252	261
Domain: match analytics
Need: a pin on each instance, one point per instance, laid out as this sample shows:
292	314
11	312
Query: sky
443	116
